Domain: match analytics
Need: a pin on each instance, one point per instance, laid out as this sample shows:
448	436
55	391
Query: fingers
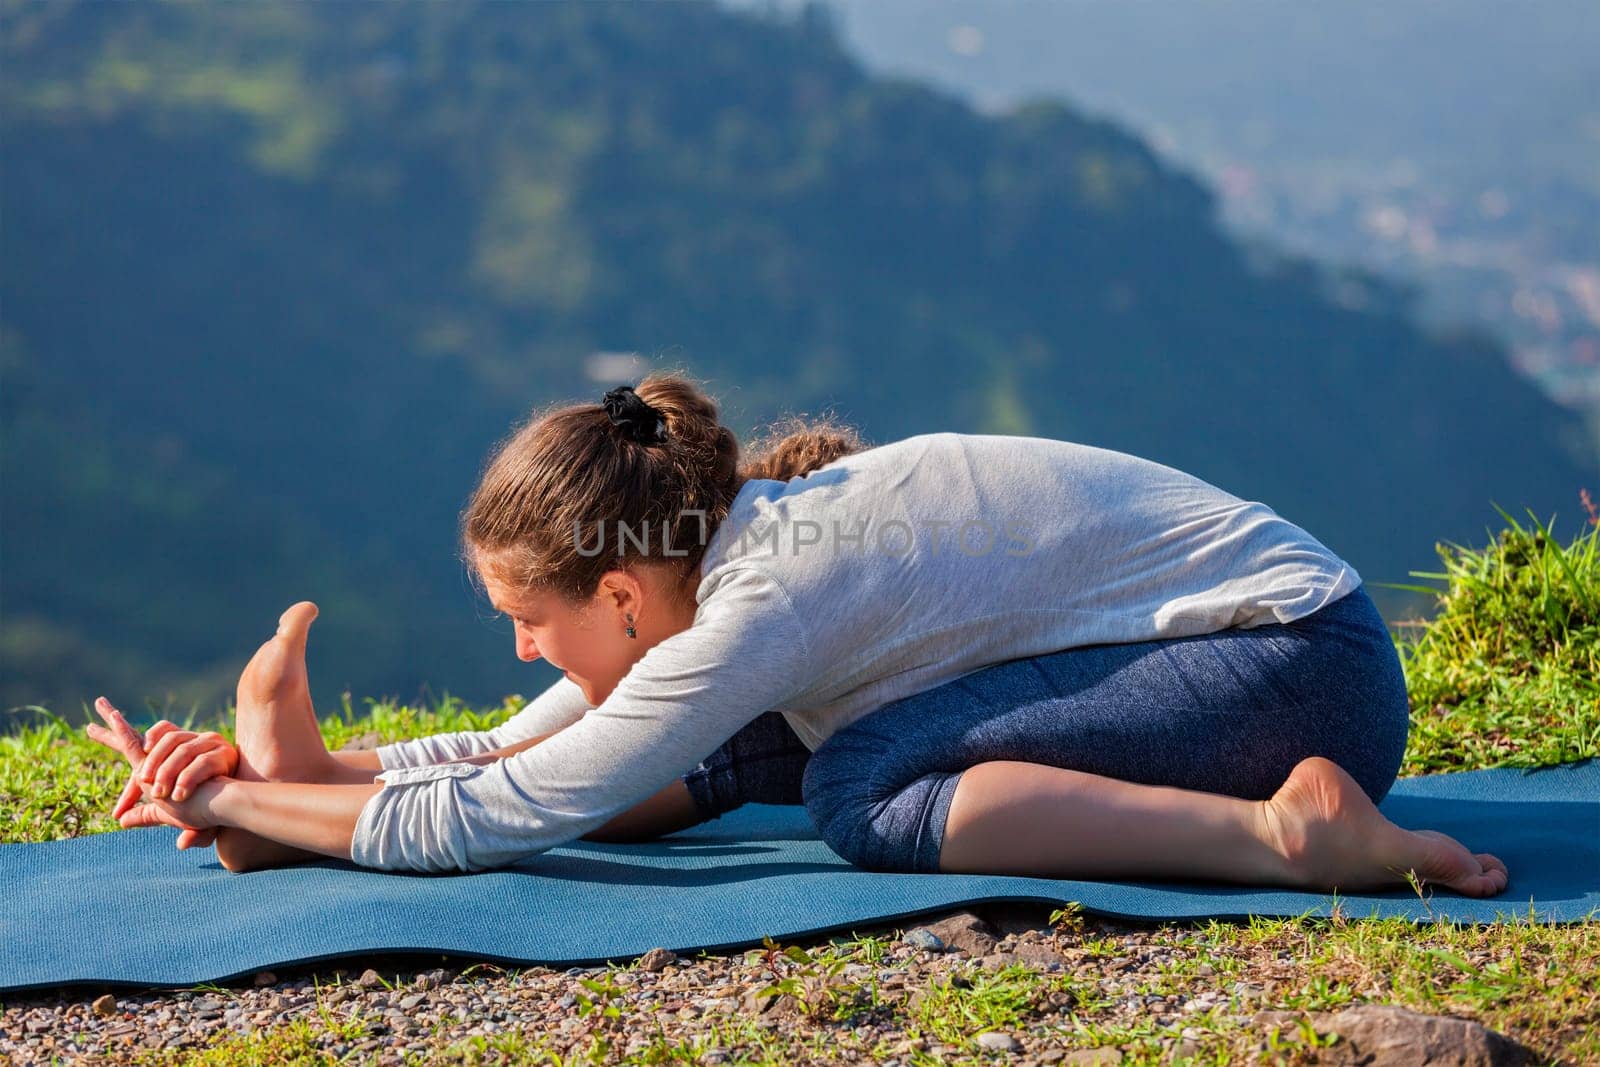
180	761
157	732
209	764
131	794
161	753
149	815
197	838
119	725
122	737
105	737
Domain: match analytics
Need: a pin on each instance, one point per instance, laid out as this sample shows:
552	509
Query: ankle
1282	856
278	765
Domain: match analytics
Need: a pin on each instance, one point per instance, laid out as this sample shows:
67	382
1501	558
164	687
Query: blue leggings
1228	712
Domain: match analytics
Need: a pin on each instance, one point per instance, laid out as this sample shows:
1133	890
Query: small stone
1038	955
410	1002
1105	1056
657	959
370	979
999	1042
105	1005
923	938
965	932
265	978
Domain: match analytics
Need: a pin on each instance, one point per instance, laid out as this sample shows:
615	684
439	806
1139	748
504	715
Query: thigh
1229	712
763	763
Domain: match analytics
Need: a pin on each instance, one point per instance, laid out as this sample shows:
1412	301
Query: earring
631	632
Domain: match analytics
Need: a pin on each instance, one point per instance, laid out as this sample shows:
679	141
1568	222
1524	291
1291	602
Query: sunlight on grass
1507	673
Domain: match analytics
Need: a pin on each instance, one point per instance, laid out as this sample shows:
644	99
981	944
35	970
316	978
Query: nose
526	651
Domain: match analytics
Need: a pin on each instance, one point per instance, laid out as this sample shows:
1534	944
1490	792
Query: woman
1005	654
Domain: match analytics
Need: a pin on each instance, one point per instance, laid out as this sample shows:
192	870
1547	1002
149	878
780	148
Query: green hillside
273	278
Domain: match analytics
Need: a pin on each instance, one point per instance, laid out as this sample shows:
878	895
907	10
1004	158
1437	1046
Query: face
570	639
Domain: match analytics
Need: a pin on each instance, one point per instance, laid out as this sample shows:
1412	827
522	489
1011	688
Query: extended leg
278	737
1319	831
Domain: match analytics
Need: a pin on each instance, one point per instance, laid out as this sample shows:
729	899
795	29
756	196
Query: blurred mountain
275	278
1453	147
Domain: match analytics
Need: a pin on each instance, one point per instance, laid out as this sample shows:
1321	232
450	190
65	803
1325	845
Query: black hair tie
637	420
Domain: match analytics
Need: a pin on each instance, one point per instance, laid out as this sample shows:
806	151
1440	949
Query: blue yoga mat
129	908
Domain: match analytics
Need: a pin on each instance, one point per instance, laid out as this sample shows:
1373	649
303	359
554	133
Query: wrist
222	800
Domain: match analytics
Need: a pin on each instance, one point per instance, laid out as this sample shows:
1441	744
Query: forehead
506	598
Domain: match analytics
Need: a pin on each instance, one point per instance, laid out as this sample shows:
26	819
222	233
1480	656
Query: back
913	563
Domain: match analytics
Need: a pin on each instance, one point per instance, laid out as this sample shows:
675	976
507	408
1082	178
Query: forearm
364	759
315	817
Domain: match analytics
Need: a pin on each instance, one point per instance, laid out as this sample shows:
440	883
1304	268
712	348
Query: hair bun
637	420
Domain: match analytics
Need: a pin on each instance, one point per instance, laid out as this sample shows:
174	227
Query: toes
293	623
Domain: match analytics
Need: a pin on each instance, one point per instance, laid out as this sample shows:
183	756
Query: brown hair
566	478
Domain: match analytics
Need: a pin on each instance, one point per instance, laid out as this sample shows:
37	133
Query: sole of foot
1335	838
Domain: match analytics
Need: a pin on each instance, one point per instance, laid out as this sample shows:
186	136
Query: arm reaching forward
744	654
558	707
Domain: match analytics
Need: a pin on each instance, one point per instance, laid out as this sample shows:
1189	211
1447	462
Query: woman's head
554	529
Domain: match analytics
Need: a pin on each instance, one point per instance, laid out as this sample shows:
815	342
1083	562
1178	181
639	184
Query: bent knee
875	826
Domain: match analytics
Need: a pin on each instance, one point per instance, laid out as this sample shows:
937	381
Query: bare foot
276	726
1336	839
277	733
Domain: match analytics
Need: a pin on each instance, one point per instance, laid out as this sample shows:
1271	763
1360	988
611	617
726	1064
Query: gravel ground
417	1007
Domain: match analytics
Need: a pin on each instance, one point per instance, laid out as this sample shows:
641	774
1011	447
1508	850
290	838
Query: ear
622	590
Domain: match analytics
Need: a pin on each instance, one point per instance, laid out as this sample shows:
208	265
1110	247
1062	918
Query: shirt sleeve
744	653
556	708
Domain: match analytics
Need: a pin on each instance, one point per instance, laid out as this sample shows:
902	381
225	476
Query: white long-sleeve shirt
882	574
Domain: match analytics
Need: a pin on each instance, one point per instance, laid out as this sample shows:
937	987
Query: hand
178	760
192	816
124	739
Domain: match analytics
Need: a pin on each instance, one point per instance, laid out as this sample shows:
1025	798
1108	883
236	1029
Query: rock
1007	917
657	959
1093	1057
756	1005
997	959
923	938
1038	955
965	931
265	978
370	979
106	1005
1386	1035
998	1042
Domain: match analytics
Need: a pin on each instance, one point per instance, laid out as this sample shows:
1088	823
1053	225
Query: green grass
1507	673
